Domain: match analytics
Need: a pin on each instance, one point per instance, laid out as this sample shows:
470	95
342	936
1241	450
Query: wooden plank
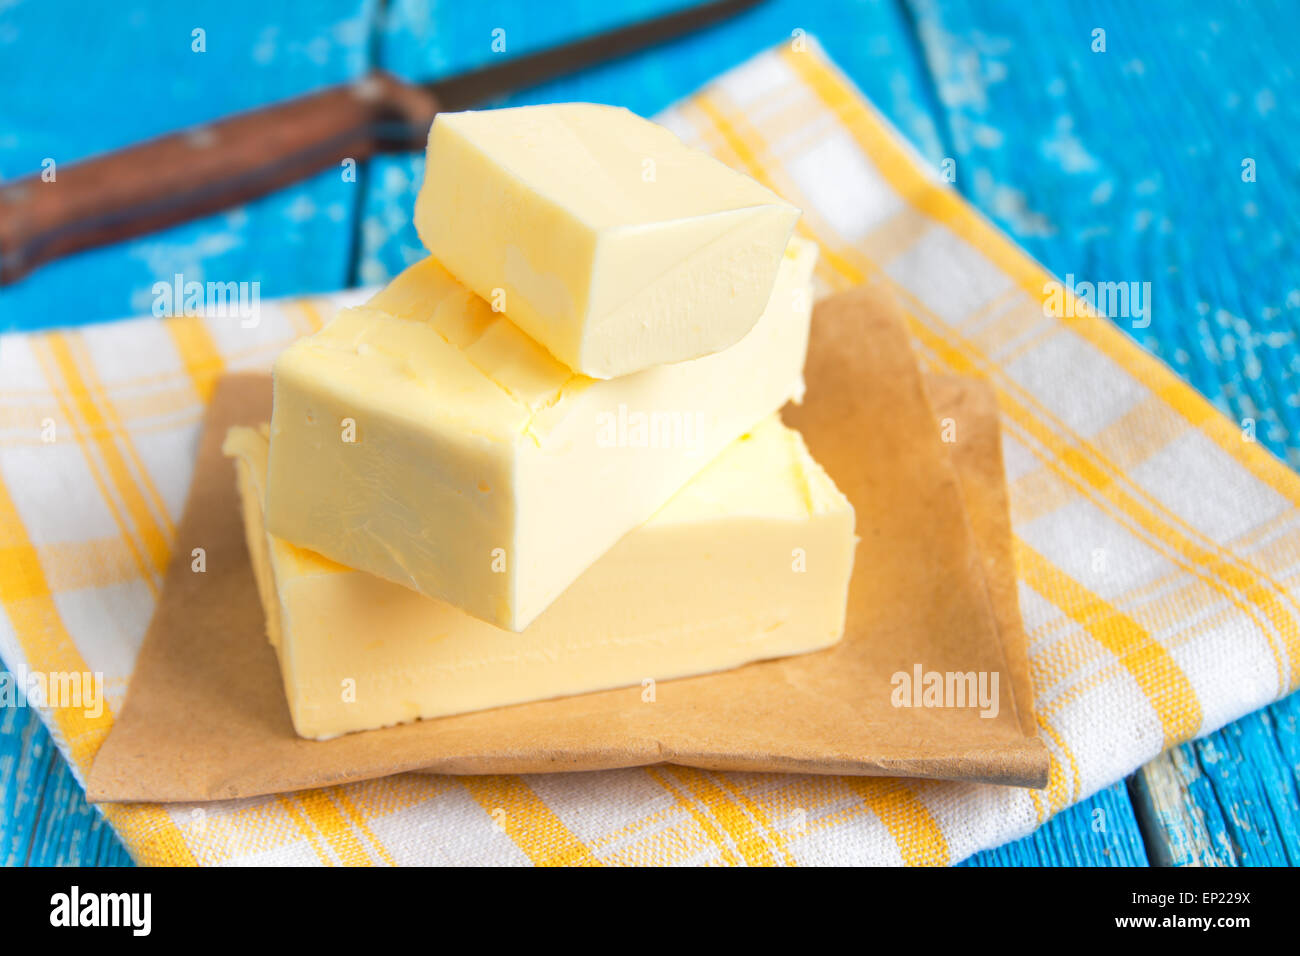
1100	831
872	41
123	76
1078	155
87	80
44	817
1126	165
1182	824
1229	799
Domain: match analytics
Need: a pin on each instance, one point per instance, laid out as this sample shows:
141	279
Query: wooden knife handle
201	170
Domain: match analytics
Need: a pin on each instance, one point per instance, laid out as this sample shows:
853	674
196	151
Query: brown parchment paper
970	405
205	716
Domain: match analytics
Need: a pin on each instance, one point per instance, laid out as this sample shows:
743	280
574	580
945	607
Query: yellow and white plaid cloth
1158	549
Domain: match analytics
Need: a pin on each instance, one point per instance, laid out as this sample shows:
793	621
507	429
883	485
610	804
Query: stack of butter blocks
546	460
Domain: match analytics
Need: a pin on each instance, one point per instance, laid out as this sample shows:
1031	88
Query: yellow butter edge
730	485
524	373
478	131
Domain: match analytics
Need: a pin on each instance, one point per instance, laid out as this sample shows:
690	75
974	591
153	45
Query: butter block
750	560
424	438
600	233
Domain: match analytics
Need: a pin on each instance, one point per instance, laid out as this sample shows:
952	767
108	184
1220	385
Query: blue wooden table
1107	137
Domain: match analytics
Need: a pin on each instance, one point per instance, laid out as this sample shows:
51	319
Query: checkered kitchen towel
1158	549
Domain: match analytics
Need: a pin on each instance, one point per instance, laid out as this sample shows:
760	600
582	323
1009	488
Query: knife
204	169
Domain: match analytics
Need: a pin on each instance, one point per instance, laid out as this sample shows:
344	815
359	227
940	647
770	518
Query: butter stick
600	233
425	439
751	560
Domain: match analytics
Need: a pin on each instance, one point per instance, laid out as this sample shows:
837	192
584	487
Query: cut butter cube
750	560
600	233
425	439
